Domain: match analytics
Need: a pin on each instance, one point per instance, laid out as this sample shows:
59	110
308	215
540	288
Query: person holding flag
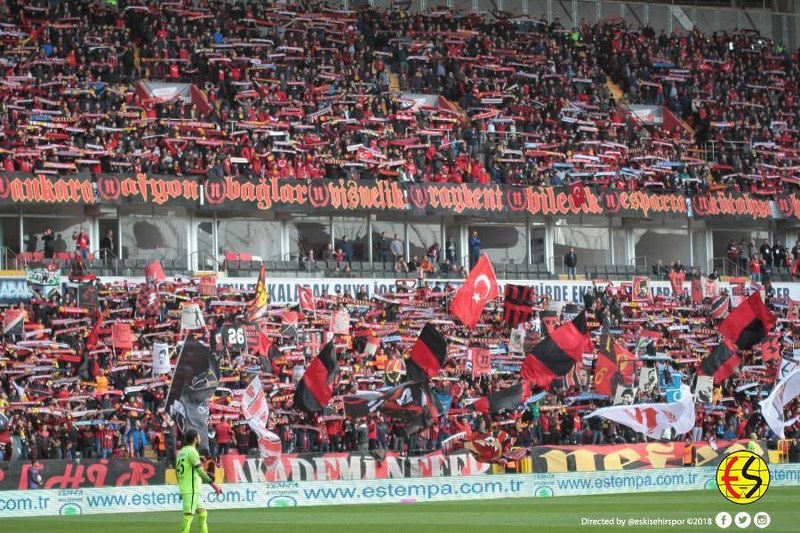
191	476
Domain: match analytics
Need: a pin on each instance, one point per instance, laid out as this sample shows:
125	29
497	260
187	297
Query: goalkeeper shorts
191	502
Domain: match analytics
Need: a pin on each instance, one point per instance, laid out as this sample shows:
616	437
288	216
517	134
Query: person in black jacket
571	261
49	243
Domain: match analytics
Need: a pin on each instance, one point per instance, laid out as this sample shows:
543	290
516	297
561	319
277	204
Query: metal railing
200	258
8	259
726	267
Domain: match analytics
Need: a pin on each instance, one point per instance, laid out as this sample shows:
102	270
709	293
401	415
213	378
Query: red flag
481	361
154	271
306	297
749	323
771	349
479	287
697	290
641	289
676	280
94	335
578	193
121	335
208	286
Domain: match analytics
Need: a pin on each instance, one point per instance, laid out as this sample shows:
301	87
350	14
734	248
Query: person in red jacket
224	437
82	243
372	434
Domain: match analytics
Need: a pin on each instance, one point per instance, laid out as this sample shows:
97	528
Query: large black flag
194	381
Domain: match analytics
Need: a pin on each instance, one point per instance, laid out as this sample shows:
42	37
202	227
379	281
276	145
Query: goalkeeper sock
203	525
186	524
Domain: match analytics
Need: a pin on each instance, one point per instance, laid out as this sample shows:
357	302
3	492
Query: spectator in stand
347	249
451	252
338	255
35	481
474	249
571	262
101	382
105	436
108	247
327	254
137	439
397	248
400	266
310	261
433	253
779	256
82	242
49	243
382	245
766	251
224	437
755	269
732	252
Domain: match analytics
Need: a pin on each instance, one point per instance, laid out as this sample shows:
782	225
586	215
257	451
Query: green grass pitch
563	514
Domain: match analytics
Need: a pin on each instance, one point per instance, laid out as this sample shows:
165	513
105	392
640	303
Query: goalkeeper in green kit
191	477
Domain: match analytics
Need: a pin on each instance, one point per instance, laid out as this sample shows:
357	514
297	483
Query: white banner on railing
285	290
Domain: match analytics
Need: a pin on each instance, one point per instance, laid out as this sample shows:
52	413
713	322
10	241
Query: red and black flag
87	296
771	349
721	362
719	306
427	356
413	405
148	302
315	389
14	322
518	304
614	365
749	323
556	354
506	399
362	404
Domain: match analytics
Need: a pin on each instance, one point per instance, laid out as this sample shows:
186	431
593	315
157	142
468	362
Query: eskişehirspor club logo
743	477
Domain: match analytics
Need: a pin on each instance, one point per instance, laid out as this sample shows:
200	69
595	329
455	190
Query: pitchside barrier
306	493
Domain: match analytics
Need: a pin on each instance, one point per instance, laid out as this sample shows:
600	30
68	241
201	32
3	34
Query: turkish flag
306	297
578	193
479	287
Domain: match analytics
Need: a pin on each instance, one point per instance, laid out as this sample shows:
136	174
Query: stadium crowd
442	96
67	390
